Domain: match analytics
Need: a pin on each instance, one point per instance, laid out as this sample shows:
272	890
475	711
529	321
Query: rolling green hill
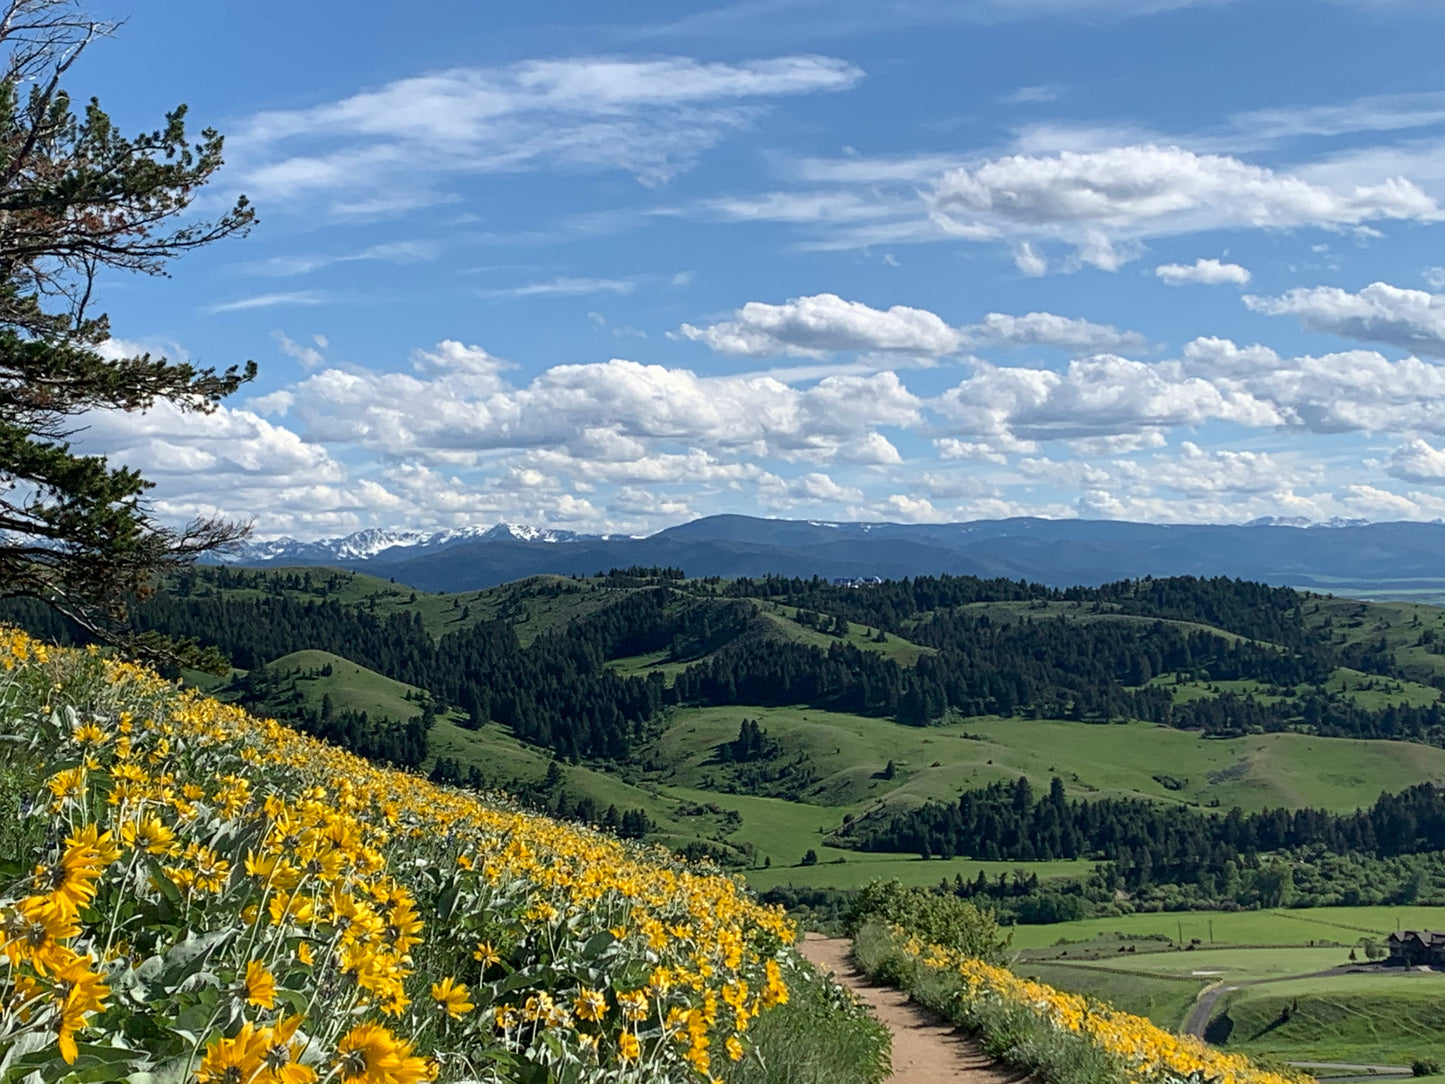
1091	654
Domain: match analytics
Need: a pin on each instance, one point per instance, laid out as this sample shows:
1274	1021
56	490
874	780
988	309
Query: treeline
1147	842
1253	610
560	693
1053	668
549	795
398	742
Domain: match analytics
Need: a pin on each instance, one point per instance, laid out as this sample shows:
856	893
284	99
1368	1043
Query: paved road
925	1051
1203	1010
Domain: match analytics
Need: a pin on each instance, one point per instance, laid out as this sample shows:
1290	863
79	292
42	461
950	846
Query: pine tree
78	199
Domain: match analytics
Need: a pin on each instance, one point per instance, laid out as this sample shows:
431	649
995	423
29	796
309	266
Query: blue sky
1144	259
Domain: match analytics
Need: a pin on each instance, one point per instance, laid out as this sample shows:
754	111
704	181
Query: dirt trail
925	1051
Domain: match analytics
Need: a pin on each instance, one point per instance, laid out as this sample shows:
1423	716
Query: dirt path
925	1051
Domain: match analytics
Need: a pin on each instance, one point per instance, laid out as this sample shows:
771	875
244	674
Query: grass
1281	927
352	687
848	753
532	606
1400	624
1375	1019
900	650
1164	999
909	869
1167	960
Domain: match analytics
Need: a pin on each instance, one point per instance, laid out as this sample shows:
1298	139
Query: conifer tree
78	199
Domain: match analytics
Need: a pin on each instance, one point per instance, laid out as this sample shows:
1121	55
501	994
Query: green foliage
941	920
821	1036
1425	1067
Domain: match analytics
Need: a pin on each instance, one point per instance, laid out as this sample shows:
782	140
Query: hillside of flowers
204	896
1059	1036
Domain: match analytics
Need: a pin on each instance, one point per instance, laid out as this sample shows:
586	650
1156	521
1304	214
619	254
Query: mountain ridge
1405	559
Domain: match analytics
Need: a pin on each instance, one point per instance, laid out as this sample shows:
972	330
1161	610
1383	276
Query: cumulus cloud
1046	329
1102	396
1417	461
825	324
953	448
391	149
1203	272
1148	190
455	403
1380	313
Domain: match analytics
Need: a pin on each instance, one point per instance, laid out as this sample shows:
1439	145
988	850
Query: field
681	784
1367	1019
1140	964
849	752
1280	927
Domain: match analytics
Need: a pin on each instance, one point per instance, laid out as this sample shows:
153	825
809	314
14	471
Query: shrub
941	919
1425	1067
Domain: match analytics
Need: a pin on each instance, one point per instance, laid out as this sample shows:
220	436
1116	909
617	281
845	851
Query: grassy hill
826	765
404	930
847	755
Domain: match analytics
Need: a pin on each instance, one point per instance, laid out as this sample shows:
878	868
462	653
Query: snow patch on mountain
375	541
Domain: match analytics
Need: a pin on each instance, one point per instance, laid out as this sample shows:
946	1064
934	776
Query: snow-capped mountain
1302	521
377	541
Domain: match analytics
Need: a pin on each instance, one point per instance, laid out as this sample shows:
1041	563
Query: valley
784	728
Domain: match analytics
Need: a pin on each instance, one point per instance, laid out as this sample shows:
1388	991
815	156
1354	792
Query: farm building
1417	948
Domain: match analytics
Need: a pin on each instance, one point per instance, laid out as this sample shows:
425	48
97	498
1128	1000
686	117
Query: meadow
1277	927
1140	965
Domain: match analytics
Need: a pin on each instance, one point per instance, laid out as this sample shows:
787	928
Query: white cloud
310	357
913	509
1103	396
1046	329
398	252
1095	199
1032	95
565	286
1380	313
456	404
1417	461
1352	391
1118	443
825	324
1435	278
388	150
1204	272
268	301
1028	260
953	448
1375	113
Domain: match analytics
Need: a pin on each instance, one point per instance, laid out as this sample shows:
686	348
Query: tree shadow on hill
1218	1030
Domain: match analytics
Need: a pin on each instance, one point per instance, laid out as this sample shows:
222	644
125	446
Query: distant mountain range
377	542
1382	559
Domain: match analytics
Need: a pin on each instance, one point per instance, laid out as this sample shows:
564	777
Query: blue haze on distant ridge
1399	559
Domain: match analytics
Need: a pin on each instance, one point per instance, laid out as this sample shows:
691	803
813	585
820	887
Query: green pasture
1389	1018
1205	964
1166	1000
1404	626
900	650
352	687
1280	927
848	753
856	871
